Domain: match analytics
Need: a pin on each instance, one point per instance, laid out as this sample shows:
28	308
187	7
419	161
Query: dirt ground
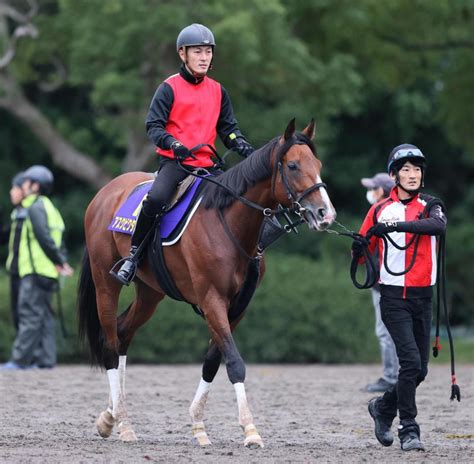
305	414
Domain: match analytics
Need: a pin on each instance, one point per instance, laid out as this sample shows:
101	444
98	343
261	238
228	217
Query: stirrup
125	276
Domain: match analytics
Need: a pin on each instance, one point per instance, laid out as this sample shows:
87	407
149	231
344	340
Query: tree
107	58
13	99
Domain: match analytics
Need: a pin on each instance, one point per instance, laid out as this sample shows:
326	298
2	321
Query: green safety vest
31	257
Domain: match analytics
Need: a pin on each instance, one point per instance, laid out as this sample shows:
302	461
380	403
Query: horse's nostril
321	213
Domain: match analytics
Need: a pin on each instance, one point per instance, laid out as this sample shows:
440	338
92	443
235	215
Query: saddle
173	224
182	207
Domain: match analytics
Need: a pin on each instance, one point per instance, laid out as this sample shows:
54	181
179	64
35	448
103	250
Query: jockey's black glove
358	246
242	147
180	151
382	228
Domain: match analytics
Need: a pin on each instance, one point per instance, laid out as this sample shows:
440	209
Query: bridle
296	207
269	214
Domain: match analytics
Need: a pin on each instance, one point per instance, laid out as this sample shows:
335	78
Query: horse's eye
292	165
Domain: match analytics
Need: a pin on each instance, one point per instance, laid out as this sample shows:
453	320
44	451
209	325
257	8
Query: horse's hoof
203	440
254	442
126	433
200	434
128	436
252	438
105	424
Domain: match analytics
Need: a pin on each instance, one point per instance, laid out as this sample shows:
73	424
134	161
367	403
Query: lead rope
441	291
371	270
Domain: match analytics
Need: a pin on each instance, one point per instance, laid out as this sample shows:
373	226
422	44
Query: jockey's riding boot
127	271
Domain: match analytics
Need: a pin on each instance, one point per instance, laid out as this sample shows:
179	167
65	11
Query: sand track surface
304	413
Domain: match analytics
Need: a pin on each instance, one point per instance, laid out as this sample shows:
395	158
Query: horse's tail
88	318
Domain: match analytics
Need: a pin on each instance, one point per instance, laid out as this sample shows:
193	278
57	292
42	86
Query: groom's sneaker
13	366
409	434
382	425
380	386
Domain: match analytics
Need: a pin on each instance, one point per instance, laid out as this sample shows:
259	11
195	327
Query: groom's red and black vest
193	117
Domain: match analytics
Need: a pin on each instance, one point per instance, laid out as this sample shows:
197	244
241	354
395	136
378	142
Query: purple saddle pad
125	218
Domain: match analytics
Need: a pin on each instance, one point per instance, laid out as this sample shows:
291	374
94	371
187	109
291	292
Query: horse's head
297	178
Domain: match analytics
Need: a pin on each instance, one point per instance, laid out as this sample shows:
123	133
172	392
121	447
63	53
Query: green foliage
321	318
290	320
374	74
307	320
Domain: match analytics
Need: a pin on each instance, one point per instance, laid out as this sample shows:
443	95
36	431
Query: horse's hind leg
196	410
106	420
107	302
107	353
138	313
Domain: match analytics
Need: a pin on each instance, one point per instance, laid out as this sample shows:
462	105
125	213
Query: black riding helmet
195	35
403	153
42	175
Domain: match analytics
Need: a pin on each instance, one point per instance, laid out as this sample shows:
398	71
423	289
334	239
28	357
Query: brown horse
208	264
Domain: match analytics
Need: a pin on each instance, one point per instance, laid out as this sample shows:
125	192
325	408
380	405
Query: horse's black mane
240	177
248	172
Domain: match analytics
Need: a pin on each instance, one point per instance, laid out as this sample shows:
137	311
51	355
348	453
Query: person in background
189	109
378	188
17	217
40	259
7	237
408	272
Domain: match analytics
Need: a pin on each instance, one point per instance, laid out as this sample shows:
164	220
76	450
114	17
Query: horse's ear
290	129
310	129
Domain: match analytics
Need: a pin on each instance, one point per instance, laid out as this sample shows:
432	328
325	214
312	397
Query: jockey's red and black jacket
411	218
192	111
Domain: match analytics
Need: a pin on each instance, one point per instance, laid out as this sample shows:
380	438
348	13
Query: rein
234	240
296	207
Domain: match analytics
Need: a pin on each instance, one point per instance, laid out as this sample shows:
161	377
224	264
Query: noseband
297	139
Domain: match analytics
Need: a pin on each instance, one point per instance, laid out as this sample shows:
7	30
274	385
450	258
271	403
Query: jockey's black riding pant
409	323
168	177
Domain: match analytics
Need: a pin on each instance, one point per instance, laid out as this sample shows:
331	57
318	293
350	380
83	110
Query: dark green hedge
304	311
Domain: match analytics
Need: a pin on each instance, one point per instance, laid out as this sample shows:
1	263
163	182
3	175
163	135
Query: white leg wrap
252	437
245	416
121	368
114	383
196	410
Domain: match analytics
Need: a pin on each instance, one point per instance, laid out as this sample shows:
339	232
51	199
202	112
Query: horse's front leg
222	336
196	410
236	372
